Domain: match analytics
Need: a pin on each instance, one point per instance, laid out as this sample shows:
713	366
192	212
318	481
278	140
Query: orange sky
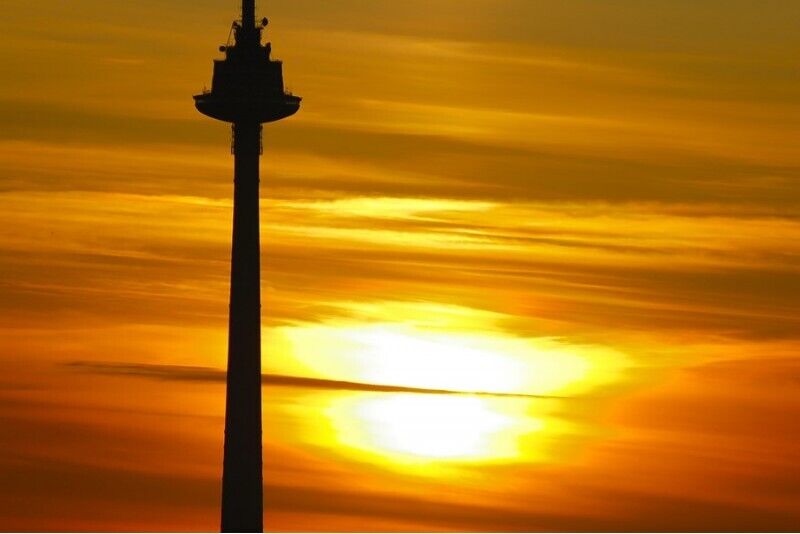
587	210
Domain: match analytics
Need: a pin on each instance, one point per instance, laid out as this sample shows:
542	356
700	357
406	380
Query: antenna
248	14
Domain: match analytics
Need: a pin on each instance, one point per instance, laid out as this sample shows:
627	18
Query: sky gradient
586	212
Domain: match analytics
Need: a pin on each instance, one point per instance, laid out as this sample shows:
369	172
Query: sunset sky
586	211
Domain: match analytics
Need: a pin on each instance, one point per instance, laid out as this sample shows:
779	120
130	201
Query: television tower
246	90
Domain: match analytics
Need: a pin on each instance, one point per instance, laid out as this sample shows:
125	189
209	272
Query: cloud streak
208	374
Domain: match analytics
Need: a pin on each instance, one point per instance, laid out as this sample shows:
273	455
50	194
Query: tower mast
248	13
247	90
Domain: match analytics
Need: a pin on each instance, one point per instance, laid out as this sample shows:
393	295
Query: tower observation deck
247	90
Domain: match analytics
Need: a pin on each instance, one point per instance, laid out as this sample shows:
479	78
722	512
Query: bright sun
461	352
414	428
395	355
484	362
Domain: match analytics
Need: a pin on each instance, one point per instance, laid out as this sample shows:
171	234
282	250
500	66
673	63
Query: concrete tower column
242	506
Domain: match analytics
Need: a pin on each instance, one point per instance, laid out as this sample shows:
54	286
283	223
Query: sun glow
475	362
428	360
465	356
415	428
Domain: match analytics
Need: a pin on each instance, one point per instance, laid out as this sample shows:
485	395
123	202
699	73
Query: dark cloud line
210	374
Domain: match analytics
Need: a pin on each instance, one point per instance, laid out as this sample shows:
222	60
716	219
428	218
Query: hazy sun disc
446	348
417	428
432	360
469	362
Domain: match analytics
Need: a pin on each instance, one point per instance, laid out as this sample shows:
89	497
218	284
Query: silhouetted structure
247	90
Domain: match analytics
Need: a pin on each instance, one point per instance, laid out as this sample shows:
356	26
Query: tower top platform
247	85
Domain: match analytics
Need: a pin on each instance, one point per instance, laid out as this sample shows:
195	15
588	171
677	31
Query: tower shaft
242	504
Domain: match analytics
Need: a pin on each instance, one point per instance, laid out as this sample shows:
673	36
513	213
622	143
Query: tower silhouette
247	90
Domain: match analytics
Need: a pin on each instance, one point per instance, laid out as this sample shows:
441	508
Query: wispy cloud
207	374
